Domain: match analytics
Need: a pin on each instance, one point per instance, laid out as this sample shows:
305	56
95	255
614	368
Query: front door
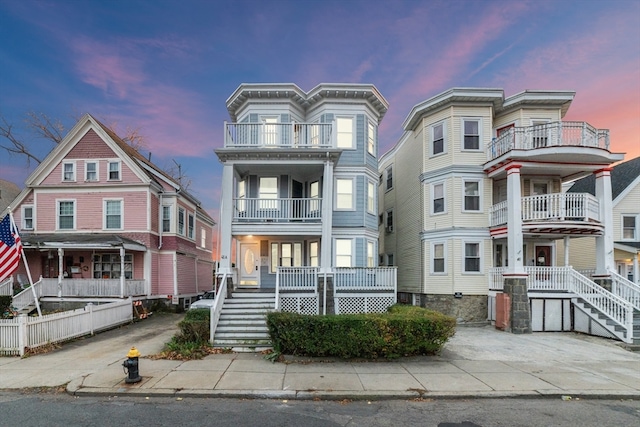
543	256
249	270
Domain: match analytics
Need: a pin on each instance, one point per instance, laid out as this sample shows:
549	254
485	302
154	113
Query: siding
205	275
186	274
630	205
165	273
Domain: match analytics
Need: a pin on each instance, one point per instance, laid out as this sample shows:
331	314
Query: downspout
161	215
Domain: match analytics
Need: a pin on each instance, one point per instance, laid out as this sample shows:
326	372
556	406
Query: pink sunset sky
166	68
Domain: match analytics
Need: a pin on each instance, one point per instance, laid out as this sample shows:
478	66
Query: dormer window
68	171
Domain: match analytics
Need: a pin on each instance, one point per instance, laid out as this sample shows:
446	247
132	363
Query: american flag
10	247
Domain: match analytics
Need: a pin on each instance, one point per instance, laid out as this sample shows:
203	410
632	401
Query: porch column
604	243
636	272
566	251
122	272
514	221
226	217
60	270
327	217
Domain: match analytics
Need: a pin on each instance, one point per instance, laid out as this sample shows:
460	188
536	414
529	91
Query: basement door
249	270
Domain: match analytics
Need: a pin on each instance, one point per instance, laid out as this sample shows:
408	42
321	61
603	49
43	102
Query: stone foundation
516	288
467	309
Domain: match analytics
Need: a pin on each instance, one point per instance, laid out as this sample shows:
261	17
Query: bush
402	331
195	327
5	306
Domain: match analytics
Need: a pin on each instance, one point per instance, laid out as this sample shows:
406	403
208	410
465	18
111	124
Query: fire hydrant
131	366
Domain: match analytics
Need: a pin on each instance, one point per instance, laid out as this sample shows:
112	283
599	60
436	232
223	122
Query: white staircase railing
625	289
610	305
6	287
26	298
216	308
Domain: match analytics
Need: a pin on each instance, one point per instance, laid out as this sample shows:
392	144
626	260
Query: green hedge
402	331
195	327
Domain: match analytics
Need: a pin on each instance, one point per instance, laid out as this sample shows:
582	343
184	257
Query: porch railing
556	206
6	287
278	135
364	290
579	134
92	287
297	290
287	209
625	289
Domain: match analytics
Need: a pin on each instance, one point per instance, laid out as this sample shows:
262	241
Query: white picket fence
24	332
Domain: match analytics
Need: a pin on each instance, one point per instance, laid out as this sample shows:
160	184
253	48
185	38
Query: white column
604	243
636	272
122	272
60	270
327	217
566	251
226	218
514	221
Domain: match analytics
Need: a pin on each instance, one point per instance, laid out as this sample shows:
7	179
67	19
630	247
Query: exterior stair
242	325
616	330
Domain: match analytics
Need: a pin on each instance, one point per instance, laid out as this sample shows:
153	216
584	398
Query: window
268	192
203	237
242	195
371	259
290	255
166	219
437	135
314	193
390	260
472	196
471	134
191	234
438	263
114	171
113	214
389	221
108	266
437	197
472	257
371	139
181	221
343	252
344	193
389	177
91	171
371	201
314	255
66	214
27	217
68	171
345	132
629	228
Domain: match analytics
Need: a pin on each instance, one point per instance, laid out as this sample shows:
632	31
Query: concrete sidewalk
477	362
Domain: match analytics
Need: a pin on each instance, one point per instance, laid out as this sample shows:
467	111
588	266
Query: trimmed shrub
195	327
402	331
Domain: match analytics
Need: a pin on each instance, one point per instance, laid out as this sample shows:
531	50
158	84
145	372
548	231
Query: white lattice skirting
300	303
363	304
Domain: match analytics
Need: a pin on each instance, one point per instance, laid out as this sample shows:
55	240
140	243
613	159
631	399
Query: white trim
432	198
336	207
372	195
73	170
635	229
627	190
191	228
23	216
337	117
432	258
104	213
97	163
75	214
184	222
386	178
119	163
371	129
170	210
374	253
480	256
462	131
335	251
480	198
432	127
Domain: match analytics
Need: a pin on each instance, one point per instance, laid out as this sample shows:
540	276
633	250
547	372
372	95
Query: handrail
625	289
6	287
26	298
216	308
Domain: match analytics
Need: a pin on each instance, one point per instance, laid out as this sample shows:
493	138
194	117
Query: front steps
609	325
242	325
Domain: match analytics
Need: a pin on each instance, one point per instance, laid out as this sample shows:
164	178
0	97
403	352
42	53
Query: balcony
559	212
279	135
555	134
277	210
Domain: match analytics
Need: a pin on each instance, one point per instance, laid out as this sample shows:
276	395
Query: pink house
99	219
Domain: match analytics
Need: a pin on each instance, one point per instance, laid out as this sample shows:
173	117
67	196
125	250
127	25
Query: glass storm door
249	268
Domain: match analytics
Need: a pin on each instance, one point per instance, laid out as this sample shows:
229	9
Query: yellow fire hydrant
131	366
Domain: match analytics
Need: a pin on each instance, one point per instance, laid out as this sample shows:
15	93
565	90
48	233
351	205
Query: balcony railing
278	135
577	134
557	207
278	210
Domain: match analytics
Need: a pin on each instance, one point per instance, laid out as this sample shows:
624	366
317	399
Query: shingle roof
622	175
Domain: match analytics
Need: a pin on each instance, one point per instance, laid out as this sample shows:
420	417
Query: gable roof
623	176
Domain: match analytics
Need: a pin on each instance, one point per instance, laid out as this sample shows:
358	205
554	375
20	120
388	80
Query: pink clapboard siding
90	209
205	275
155	275
165	274
186	274
155	211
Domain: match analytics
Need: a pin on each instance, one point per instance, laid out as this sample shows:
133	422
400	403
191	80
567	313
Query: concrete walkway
476	362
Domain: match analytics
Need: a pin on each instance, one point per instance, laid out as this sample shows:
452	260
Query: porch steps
242	325
611	326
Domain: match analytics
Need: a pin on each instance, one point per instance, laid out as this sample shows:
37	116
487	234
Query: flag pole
26	265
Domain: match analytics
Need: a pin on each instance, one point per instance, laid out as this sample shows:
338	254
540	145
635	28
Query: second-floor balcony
556	208
279	135
554	134
277	210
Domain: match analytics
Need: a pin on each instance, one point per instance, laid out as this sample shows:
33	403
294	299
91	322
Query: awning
80	241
